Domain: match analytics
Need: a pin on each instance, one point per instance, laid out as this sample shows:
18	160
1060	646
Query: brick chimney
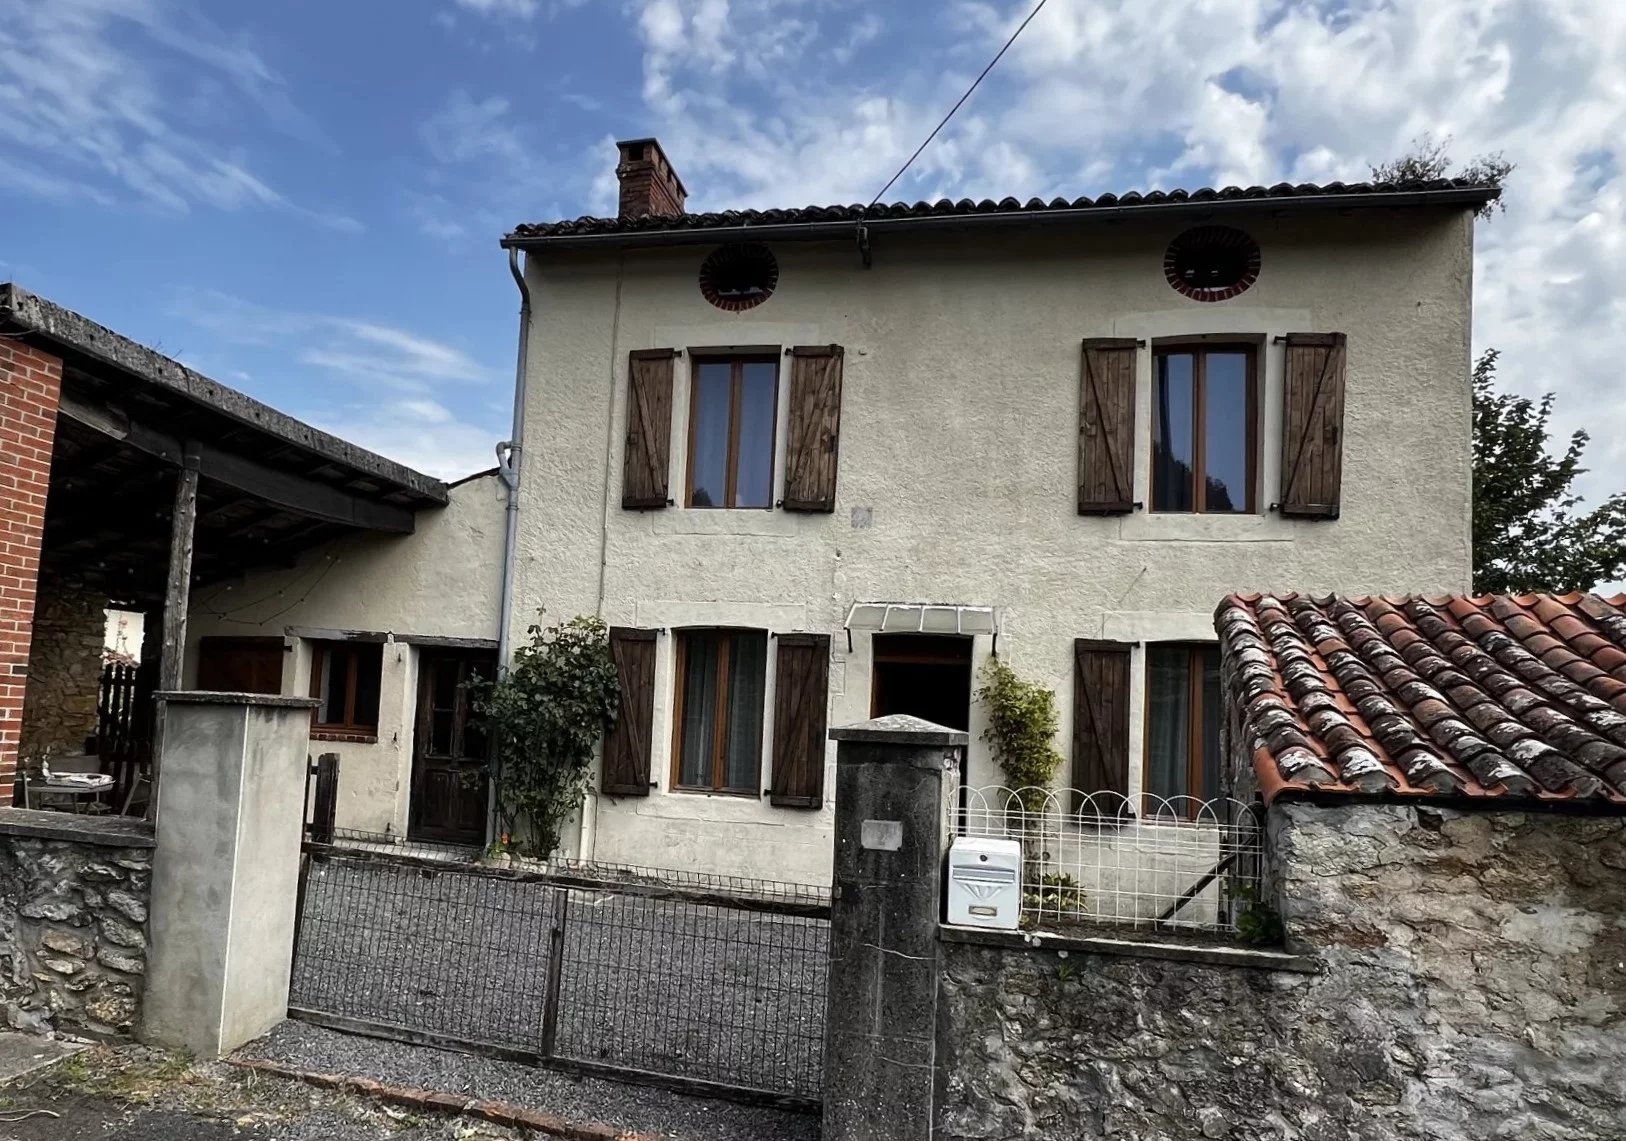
649	185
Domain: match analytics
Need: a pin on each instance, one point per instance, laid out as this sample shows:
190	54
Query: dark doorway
450	750
924	675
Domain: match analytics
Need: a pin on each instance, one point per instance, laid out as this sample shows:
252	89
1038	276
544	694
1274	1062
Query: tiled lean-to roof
1498	696
1283	195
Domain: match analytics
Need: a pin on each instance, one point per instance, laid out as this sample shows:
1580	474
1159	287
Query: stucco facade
440	582
958	465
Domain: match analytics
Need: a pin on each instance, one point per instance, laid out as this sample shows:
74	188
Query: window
722	688
731	432
345	677
1204	411
1211	263
1183	711
739	277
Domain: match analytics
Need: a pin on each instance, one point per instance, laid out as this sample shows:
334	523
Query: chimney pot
649	185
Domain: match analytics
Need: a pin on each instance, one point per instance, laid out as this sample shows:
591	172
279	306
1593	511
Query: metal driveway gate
705	984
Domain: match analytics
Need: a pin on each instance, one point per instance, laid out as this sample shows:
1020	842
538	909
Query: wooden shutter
801	688
627	747
1106	427
1313	426
815	428
1101	717
648	460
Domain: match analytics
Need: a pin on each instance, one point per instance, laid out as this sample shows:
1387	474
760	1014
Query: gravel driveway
669	986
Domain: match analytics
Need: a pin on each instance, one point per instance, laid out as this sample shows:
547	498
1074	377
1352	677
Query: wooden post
182	524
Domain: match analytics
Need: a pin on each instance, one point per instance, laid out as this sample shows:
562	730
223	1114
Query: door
240	665
450	751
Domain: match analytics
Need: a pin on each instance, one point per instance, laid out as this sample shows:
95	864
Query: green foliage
546	718
1530	531
1021	728
1429	159
1256	921
1055	892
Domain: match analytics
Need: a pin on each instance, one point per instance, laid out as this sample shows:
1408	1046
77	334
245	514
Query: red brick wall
30	386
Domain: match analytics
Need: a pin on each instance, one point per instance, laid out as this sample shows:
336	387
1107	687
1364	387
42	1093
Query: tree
546	716
1530	530
1429	159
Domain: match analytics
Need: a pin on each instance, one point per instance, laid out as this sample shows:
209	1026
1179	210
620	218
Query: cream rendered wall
959	434
443	580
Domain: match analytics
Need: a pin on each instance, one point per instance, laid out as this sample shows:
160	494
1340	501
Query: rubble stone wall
73	914
1471	984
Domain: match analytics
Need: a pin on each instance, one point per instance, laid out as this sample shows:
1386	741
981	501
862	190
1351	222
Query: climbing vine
546	718
1021	728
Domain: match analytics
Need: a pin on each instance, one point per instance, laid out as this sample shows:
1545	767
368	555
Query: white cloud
513	9
465	129
422	434
91	109
376	354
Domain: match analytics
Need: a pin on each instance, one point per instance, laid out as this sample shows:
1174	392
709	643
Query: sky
304	199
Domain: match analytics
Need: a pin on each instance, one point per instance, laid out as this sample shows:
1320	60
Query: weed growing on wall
546	718
1021	728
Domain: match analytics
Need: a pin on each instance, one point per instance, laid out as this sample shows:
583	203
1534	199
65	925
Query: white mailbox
985	882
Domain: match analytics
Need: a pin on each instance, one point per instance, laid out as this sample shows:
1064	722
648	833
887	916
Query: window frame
321	654
1194	652
1199	348
719	743
736	363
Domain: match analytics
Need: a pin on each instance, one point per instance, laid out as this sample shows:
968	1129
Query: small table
79	792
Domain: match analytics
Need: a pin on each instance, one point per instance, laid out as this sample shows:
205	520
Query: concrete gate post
226	869
895	794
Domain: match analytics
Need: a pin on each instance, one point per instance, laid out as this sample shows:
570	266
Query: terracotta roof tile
1496	696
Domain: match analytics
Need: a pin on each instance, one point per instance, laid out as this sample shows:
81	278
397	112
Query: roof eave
75	335
1461	198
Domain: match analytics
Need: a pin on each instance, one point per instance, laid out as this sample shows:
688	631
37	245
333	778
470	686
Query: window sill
346	736
1205	527
732	794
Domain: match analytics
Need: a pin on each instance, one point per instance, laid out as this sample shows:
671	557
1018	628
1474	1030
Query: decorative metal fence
707	985
1143	863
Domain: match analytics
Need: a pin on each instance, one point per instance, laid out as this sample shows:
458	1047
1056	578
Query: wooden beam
285	489
179	587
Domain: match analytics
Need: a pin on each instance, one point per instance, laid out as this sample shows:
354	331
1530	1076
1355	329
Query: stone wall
1471	984
64	669
73	911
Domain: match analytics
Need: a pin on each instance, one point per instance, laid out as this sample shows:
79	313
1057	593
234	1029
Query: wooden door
240	665
450	751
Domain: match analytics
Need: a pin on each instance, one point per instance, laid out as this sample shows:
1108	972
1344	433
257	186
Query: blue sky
304	199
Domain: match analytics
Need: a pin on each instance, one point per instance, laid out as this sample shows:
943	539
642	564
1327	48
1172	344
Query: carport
160	480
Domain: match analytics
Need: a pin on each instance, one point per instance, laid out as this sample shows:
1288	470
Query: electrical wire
1020	28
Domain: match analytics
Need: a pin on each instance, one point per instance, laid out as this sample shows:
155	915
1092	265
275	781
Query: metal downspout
509	453
509	456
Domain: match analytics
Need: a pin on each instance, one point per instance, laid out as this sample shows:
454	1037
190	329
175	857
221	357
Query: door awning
922	618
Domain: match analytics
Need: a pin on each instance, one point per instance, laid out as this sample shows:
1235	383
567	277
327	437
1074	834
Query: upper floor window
1183	711
1204	434
732	413
345	679
722	690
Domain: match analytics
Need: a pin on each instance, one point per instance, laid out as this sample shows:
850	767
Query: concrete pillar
895	796
226	869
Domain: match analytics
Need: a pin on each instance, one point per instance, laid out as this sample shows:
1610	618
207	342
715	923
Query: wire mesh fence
1147	863
671	978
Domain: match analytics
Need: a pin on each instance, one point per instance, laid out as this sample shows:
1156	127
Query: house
814	465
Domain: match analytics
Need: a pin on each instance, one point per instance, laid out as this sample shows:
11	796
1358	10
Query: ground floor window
1183	711
722	689
345	679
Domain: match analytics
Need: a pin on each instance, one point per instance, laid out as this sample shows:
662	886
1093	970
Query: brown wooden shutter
801	688
647	462
815	428
1313	426
627	747
1106	427
1101	717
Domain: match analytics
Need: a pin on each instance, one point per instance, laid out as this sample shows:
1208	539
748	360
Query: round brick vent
1211	263
739	276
